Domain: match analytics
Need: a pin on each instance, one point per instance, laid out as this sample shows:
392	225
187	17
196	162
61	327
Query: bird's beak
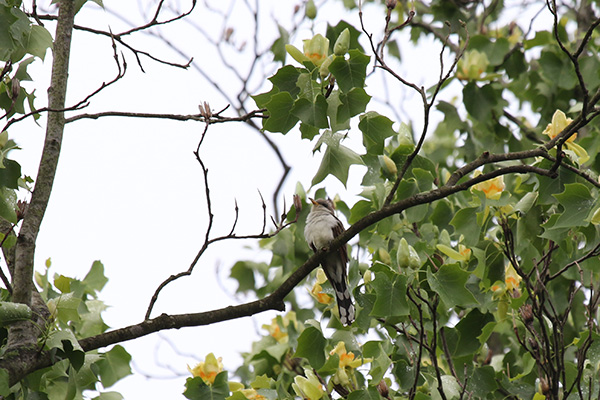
313	201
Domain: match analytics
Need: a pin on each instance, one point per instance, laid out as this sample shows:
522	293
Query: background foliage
474	239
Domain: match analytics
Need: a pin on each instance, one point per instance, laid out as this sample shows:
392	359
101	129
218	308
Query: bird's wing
337	230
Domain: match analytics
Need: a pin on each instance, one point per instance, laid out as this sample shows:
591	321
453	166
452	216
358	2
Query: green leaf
482	382
308	131
10	174
196	389
336	160
280	117
370	393
465	223
391	296
470	327
350	73
311	113
39	40
449	282
67	307
278	47
62	283
375	129
95	278
336	106
310	346
109	396
381	360
353	103
577	202
114	366
558	69
479	101
8	202
243	273
4	383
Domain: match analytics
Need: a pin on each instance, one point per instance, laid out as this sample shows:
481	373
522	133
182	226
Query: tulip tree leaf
336	161
335	108
280	116
311	113
391	295
278	47
310	346
196	389
115	366
577	202
352	103
465	223
350	73
375	129
309	88
479	101
449	282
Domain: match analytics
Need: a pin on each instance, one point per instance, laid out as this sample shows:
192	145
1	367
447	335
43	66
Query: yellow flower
463	253
251	394
317	289
207	369
347	359
558	124
308	387
275	330
492	188
319	295
511	277
472	65
316	49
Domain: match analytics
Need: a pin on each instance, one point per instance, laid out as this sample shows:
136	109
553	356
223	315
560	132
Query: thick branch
23	333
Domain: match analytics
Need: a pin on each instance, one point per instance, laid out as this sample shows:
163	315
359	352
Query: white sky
129	191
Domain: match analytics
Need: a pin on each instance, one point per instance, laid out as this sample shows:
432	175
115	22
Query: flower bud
388	167
342	44
310	10
15	87
324	68
402	254
384	256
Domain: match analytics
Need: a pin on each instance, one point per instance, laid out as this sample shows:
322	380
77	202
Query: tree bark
22	336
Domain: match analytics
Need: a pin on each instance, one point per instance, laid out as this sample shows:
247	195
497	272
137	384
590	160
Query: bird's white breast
319	228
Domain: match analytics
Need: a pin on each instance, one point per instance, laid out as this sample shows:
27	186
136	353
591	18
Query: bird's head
322	203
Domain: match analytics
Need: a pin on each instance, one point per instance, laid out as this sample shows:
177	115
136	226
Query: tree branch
24	333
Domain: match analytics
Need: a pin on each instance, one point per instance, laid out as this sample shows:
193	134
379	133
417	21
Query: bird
322	226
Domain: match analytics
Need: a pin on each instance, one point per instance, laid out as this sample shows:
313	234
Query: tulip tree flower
275	330
511	277
207	369
472	65
463	253
492	188
347	363
559	122
309	386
